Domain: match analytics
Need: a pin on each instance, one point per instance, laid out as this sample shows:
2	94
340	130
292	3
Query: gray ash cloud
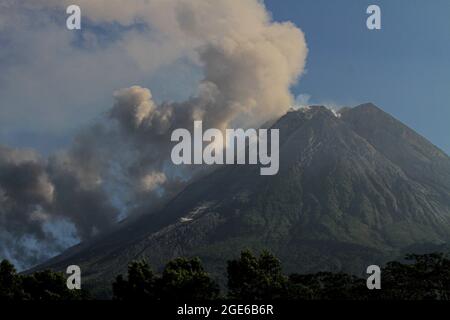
121	164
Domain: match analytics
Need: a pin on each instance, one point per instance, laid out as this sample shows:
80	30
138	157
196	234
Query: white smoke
248	62
304	102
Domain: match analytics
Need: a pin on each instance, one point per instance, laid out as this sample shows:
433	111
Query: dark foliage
182	279
10	284
185	279
140	285
422	277
326	286
250	277
256	278
39	286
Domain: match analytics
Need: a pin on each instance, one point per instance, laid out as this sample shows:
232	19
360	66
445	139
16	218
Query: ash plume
121	164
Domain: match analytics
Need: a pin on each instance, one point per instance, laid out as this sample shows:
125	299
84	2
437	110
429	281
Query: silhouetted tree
422	277
256	278
49	285
186	279
250	277
10	284
43	285
140	285
326	286
182	279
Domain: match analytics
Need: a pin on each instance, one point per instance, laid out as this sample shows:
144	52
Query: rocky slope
354	188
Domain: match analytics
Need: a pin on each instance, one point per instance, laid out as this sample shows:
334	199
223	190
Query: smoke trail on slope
248	62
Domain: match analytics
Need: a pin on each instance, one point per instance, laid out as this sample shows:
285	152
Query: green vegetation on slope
250	277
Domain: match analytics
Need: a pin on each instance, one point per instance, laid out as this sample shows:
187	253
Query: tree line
249	277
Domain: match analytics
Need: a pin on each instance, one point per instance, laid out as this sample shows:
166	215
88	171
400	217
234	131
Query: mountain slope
352	190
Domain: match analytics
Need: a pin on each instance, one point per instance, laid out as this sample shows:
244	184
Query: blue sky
404	68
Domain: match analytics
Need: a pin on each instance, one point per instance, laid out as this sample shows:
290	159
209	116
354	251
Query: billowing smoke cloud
25	190
122	163
36	196
25	194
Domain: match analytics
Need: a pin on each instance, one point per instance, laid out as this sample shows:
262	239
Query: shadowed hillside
354	189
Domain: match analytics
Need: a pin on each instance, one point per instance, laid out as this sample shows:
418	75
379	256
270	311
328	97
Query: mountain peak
363	109
312	111
368	106
353	189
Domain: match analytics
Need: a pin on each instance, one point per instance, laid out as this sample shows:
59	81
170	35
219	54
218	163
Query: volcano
354	188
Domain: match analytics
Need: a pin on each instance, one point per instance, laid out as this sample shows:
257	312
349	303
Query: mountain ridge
348	194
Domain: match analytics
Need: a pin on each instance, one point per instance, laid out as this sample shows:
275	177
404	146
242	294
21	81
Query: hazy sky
404	68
